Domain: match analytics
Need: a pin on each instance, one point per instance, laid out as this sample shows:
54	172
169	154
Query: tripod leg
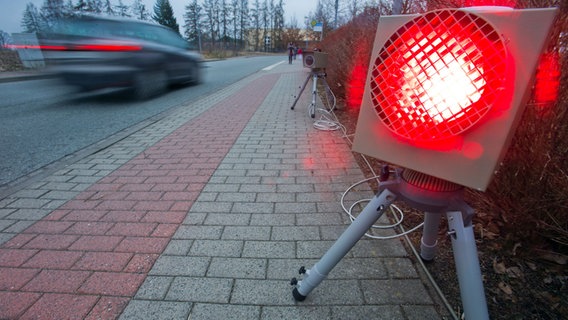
314	95
467	266
371	213
429	239
301	91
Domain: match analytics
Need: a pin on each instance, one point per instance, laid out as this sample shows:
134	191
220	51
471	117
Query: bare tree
139	10
211	20
192	18
122	9
256	24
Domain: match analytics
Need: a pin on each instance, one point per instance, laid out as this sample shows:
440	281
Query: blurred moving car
92	52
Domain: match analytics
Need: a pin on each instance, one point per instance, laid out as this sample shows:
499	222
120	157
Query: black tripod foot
297	295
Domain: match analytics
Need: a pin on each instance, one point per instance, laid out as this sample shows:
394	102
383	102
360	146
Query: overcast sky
11	11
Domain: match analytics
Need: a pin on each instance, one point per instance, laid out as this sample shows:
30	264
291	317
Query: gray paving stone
180	266
401	291
269	249
295	233
400	268
211	207
246	233
295	207
242	268
241	219
417	312
262	292
154	288
155	310
296	313
313	249
267	219
206	311
4	212
321	219
219	248
335	292
263	207
178	247
195	218
29	203
19	226
378	248
198	232
258	188
4	224
367	312
236	197
214	290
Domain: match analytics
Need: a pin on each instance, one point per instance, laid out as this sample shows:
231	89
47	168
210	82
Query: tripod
314	75
434	197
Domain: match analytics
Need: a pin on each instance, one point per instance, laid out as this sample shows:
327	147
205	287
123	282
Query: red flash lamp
446	89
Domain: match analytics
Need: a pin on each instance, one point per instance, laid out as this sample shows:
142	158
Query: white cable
394	210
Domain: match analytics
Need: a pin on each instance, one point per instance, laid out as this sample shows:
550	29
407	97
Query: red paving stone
103	261
96	243
61	281
14	304
113	284
86	259
51	241
108	308
53	259
14	257
54	306
141	263
12	279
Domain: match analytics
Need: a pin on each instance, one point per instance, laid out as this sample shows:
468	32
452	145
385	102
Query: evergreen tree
51	12
81	6
164	15
31	21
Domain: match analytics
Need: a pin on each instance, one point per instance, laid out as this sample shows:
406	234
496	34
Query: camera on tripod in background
314	59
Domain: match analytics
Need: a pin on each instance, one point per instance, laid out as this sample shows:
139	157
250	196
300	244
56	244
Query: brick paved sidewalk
206	214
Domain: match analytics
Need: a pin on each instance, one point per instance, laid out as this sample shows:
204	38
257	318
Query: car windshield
122	29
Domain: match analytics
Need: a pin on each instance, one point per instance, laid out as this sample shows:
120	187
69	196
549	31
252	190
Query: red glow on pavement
308	163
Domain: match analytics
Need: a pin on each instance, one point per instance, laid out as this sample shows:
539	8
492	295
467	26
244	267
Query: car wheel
149	83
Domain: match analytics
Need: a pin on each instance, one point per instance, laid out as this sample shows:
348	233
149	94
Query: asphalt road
43	121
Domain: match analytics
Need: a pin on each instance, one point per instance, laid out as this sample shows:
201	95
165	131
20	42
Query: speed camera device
445	89
314	59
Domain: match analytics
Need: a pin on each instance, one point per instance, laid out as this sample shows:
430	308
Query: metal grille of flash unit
438	75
